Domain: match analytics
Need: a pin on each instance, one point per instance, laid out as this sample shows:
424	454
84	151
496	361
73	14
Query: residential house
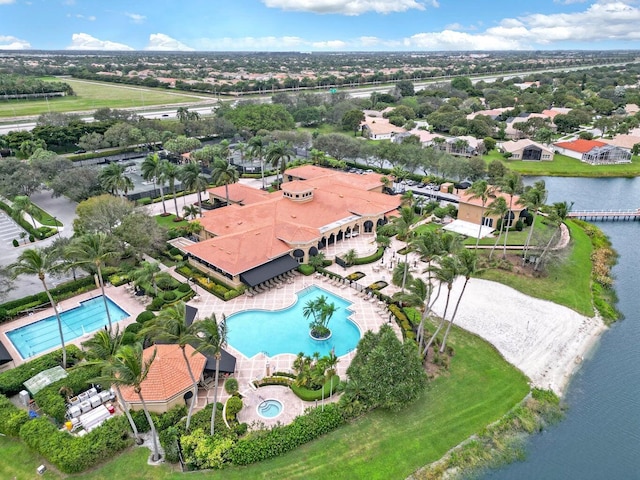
525	149
379	128
593	151
471	210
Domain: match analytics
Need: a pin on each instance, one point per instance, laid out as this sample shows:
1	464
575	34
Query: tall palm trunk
546	249
444	316
528	242
195	387
453	317
495	244
200	202
215	394
480	227
262	173
506	232
136	434
164	207
55	310
104	297
175	200
154	436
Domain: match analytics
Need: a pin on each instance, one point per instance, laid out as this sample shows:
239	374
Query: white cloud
84	41
253	43
330	45
91	18
452	40
349	7
162	42
8	42
369	41
136	17
6	2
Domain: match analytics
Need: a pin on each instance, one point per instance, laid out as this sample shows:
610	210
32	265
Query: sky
319	25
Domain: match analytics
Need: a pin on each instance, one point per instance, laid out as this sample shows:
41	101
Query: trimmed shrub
129	338
403	322
156	304
167	283
16	243
72	454
184	288
169	296
169	441
265	444
32	238
145	316
306	269
371	258
11	417
144	201
173	251
234	405
519	225
231	386
133	328
309	395
11	381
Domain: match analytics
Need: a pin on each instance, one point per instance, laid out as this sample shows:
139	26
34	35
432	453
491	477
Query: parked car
79	151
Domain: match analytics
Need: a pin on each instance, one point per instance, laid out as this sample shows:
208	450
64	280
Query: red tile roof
580	145
465	197
239	193
168	375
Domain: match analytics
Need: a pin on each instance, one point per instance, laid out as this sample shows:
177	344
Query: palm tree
224	173
500	209
22	203
399	173
101	349
279	153
533	199
94	250
467	263
193	179
212	338
418	293
257	149
407	198
171	326
148	272
446	273
511	185
190	211
40	263
318	157
350	256
403	224
129	367
113	179
329	364
152	170
317	260
482	191
171	173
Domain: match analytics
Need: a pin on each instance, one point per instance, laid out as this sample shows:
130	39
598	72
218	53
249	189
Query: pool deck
368	314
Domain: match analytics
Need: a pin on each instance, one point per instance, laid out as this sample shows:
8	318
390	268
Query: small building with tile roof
471	210
525	149
168	379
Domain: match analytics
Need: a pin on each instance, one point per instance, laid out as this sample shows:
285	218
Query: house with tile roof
525	149
594	152
470	209
168	379
379	128
250	242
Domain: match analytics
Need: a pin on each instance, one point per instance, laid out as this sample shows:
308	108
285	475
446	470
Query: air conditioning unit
41	469
24	398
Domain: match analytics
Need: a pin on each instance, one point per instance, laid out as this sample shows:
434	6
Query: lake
600	436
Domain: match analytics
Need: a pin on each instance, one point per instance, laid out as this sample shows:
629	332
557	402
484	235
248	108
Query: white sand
544	340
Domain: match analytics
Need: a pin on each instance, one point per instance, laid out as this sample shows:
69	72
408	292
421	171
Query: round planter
320	339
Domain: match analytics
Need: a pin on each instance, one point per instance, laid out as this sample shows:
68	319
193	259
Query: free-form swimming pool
287	331
43	335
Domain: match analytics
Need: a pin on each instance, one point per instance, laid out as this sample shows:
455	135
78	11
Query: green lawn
563	166
168	221
514	237
566	283
91	95
479	389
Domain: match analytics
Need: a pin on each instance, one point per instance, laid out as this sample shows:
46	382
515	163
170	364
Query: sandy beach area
546	341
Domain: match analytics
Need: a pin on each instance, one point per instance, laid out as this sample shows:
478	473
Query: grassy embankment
90	95
479	389
563	166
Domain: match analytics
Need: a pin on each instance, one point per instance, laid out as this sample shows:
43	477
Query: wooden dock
604	215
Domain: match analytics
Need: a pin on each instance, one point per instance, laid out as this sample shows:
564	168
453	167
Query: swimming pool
269	408
287	331
43	335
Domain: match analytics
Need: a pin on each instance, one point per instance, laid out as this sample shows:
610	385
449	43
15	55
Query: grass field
567	282
91	95
167	221
563	166
479	389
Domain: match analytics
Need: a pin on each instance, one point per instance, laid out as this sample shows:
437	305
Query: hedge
73	454
309	395
211	285
11	381
145	316
371	258
264	444
403	322
66	290
306	269
11	417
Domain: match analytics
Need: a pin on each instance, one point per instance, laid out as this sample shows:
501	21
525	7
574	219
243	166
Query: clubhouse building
261	235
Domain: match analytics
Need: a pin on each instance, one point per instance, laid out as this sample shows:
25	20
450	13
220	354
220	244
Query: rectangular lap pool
43	335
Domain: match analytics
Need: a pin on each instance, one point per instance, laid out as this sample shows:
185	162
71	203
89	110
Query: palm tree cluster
321	311
313	371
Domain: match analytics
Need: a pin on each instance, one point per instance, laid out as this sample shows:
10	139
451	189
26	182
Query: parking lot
9	230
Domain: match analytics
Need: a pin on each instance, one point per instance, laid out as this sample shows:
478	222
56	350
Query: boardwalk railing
602	215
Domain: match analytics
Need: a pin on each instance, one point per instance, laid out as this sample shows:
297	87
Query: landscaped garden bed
355	276
379	285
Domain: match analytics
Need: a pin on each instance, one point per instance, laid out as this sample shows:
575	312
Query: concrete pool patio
367	314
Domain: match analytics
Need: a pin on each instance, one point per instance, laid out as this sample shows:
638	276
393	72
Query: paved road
64	210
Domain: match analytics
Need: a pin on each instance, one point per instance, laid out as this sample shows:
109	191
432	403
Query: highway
356	92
